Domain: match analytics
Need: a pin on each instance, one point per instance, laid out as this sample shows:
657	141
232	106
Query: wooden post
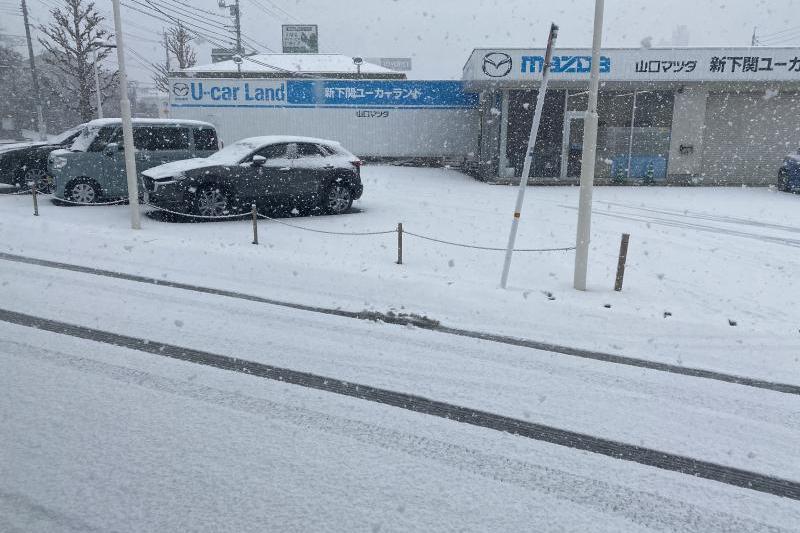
34	186
255	223
399	243
623	255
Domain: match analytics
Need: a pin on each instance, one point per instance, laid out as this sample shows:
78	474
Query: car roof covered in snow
264	140
100	122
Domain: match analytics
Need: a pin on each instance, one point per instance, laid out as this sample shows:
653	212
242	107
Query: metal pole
39	114
623	255
254	212
34	186
526	168
630	140
97	87
588	158
127	126
399	243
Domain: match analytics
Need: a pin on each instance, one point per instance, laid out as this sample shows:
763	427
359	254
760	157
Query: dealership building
675	115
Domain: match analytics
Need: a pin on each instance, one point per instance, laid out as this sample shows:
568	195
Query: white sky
440	34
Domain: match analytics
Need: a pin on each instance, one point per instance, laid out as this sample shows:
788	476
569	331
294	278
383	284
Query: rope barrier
303	228
63	200
327	232
489	248
204	217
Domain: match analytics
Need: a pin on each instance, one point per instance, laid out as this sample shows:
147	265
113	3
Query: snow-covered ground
699	259
99	437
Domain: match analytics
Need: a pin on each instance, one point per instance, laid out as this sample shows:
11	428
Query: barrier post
34	186
255	223
623	255
399	243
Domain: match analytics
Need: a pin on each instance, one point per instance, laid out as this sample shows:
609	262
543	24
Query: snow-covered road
101	437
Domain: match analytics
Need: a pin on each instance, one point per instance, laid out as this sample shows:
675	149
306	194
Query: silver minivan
93	168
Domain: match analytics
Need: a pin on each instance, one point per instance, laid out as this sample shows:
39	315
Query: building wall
688	125
747	135
369	132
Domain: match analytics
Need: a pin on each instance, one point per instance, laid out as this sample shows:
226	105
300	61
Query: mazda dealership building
666	115
681	115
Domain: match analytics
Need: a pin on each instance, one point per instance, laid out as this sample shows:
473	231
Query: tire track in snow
571	439
425	324
795	243
705	216
645	508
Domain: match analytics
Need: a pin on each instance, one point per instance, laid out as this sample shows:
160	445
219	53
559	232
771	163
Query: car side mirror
112	148
259	160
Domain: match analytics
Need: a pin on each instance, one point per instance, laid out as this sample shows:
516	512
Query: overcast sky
440	34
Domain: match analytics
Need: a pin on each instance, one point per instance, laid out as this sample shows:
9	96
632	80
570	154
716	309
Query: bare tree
70	44
179	46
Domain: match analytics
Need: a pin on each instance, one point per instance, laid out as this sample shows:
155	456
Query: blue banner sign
321	93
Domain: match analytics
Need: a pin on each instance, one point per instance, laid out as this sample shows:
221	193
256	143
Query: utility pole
236	13
526	167
39	115
166	50
127	123
588	158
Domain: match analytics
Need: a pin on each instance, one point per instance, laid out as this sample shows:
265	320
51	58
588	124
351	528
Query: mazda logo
180	89
496	64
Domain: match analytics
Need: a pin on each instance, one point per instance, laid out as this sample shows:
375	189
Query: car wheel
211	201
83	191
39	177
337	199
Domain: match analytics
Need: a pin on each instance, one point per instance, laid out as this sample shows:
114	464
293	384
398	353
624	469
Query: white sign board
644	64
300	39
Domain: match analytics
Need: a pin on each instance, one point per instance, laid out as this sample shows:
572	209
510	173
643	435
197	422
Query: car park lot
705	264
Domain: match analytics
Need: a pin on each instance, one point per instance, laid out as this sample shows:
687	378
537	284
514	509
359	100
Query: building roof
294	65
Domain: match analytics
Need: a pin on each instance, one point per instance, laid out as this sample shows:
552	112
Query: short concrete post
399	243
623	255
254	212
34	186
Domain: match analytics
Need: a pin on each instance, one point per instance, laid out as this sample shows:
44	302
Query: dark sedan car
23	163
292	173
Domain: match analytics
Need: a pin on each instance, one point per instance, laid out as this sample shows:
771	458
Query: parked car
93	168
22	163
299	173
789	173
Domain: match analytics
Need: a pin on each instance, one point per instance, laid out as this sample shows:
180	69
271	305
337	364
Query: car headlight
58	162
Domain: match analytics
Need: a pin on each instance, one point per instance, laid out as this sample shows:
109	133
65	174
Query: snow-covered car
789	173
295	174
23	163
94	166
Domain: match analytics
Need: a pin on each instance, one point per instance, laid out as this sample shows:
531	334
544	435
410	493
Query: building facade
688	115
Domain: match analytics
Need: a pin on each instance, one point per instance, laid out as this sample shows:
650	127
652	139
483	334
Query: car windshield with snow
292	174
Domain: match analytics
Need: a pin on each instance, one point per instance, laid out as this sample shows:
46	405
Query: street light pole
36	94
97	86
588	159
127	125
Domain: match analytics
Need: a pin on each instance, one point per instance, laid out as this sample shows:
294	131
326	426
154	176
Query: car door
266	182
312	169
